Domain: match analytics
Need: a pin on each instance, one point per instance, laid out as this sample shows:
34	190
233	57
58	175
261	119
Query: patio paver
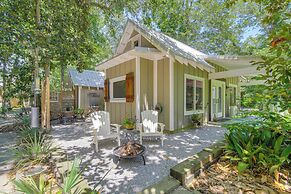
131	176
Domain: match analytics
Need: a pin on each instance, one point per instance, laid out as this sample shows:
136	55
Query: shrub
34	149
262	142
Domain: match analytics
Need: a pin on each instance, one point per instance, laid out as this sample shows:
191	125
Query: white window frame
195	78
111	81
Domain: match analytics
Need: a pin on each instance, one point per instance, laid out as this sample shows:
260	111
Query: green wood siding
146	84
120	110
180	70
164	90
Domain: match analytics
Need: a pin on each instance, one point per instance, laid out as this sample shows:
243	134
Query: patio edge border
184	172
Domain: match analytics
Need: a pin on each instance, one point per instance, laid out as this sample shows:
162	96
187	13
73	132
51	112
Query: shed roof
87	78
172	45
168	45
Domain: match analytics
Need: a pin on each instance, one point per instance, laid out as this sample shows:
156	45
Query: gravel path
7	141
131	176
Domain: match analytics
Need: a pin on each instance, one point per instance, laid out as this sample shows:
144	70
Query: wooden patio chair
150	127
102	128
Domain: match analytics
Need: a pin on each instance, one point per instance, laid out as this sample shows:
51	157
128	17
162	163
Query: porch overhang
235	65
144	52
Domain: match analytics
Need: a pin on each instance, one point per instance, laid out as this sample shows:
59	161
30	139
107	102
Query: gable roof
87	78
169	45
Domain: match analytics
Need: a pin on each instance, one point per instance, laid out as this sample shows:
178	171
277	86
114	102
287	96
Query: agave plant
34	150
29	186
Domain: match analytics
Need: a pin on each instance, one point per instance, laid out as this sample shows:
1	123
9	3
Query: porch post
137	89
155	82
79	96
172	113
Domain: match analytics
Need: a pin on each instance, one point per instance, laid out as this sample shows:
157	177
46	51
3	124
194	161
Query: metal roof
87	78
172	45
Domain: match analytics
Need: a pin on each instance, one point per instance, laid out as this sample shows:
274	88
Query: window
189	94
93	99
54	97
118	89
194	95
135	41
199	95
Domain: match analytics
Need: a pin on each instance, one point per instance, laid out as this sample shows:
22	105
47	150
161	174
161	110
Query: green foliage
196	22
80	112
276	56
196	118
260	143
33	149
71	183
71	180
29	186
128	123
254	96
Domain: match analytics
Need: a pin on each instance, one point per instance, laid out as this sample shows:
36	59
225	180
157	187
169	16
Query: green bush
262	142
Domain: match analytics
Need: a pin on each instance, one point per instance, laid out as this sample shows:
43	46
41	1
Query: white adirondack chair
150	126
103	129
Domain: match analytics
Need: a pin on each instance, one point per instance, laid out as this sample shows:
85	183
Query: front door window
217	96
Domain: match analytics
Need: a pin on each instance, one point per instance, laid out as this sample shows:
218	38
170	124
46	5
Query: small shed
88	88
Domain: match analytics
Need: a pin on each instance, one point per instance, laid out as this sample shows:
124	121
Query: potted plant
128	123
158	108
79	113
215	118
196	120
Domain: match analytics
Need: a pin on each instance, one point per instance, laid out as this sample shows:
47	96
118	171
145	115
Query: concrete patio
131	176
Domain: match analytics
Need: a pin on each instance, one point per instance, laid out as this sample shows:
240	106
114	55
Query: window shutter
129	88
106	90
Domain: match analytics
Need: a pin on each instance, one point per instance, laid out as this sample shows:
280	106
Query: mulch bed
222	177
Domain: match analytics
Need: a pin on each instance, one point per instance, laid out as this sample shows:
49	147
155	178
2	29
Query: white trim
111	81
155	82
172	112
252	82
137	89
79	96
145	52
237	72
188	76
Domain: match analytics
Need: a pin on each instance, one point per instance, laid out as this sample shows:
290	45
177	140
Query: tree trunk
36	70
62	88
47	86
4	98
43	107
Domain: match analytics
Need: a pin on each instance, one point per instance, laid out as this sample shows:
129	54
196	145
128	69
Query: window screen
189	94
119	89
199	95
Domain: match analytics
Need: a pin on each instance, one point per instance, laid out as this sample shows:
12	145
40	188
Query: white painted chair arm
116	126
138	127
162	126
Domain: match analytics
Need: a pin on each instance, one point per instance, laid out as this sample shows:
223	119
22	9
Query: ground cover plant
261	144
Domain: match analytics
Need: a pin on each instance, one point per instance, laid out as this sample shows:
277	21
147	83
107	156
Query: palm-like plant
29	186
71	180
34	150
